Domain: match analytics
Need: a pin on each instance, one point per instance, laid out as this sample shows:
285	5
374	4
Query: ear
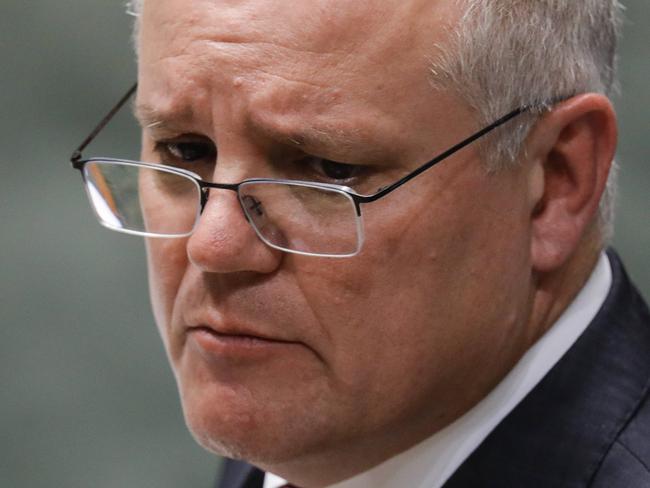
570	150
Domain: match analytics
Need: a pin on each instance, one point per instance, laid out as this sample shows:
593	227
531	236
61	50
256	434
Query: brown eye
190	151
338	171
331	170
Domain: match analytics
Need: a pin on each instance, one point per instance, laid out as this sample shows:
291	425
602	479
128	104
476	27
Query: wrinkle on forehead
283	63
374	31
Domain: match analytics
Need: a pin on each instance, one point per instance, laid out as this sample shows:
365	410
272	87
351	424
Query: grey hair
545	50
134	7
504	55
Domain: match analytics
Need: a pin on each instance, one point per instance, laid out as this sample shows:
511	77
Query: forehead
307	40
355	67
316	26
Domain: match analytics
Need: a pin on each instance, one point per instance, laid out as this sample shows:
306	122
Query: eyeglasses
301	217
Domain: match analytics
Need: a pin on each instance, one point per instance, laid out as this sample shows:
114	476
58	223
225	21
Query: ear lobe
573	146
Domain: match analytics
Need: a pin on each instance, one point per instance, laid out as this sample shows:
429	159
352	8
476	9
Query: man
460	328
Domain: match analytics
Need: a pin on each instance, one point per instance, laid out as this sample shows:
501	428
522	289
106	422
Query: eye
184	152
191	151
332	170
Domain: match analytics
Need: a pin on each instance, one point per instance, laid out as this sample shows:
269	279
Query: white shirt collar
430	463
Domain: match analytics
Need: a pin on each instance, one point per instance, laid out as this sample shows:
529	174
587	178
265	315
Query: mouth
234	343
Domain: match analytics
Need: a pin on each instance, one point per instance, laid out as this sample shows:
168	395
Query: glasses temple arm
384	191
76	155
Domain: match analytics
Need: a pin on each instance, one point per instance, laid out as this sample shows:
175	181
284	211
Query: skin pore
314	368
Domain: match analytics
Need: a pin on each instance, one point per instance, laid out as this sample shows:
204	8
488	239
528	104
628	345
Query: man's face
282	357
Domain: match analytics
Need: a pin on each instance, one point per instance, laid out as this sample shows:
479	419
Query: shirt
430	463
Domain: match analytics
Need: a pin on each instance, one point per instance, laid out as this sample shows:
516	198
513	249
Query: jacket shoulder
627	463
587	423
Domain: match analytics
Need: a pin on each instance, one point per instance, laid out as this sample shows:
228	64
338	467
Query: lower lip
225	345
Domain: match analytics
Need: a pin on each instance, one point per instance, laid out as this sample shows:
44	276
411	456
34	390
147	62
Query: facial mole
237	82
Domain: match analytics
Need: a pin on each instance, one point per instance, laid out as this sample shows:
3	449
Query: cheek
372	311
385	343
167	263
402	307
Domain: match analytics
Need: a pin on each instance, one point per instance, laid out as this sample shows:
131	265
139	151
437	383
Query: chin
230	448
235	423
267	414
228	422
236	440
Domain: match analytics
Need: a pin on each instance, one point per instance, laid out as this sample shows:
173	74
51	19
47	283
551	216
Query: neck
555	290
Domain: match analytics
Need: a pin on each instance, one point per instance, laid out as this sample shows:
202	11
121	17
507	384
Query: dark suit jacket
587	423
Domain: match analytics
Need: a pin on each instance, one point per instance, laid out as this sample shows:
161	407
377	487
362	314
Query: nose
224	241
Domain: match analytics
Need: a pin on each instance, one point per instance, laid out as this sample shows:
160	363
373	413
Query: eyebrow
317	139
340	144
150	118
308	137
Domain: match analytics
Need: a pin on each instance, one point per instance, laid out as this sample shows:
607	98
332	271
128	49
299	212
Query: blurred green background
87	396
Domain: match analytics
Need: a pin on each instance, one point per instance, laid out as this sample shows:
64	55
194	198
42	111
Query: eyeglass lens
290	216
301	218
141	199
